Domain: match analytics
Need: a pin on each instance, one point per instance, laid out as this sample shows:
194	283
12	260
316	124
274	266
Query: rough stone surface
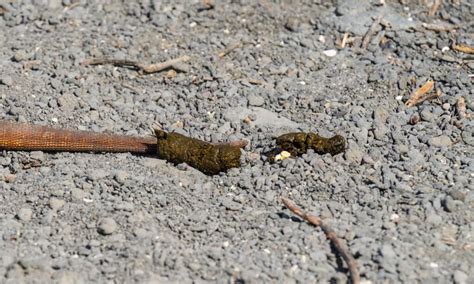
120	218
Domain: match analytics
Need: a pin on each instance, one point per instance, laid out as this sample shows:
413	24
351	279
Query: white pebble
395	218
330	52
25	214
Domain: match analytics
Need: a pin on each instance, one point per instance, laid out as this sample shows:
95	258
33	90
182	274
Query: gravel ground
401	196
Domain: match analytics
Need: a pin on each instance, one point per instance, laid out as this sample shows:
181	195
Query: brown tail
25	137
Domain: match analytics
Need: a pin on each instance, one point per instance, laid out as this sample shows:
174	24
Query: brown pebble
9	178
415	118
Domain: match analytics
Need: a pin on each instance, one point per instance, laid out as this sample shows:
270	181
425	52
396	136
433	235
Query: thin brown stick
147	69
371	32
419	95
440	27
232	46
463	48
344	40
3	10
153	68
111	61
331	235
434	8
461	107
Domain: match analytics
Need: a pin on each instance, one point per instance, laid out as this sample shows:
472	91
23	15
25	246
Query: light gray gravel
401	196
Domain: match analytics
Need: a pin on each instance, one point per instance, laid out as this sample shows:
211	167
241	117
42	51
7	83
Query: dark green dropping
298	143
207	157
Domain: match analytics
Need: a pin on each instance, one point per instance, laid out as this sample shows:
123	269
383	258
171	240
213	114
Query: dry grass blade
3	10
153	68
419	95
463	48
440	27
331	235
229	49
147	69
371	32
434	8
344	40
111	61
461	107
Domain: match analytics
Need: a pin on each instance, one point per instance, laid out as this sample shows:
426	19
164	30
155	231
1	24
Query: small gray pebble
440	141
367	159
292	24
121	177
231	205
387	251
21	55
354	154
37	155
97	174
140	233
255	100
24	214
434	219
380	131
458	195
77	194
67	102
460	277
427	115
55	203
47	217
107	226
125	206
380	115
449	204
6	80
33	263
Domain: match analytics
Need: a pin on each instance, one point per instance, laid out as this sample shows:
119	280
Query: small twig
131	88
434	8
147	69
419	95
371	32
153	68
72	6
3	9
463	48
344	40
232	46
461	107
255	81
115	62
440	27
331	235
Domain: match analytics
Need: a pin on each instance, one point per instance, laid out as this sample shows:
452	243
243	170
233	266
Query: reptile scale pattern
26	137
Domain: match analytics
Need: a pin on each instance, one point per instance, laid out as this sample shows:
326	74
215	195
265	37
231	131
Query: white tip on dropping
282	156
